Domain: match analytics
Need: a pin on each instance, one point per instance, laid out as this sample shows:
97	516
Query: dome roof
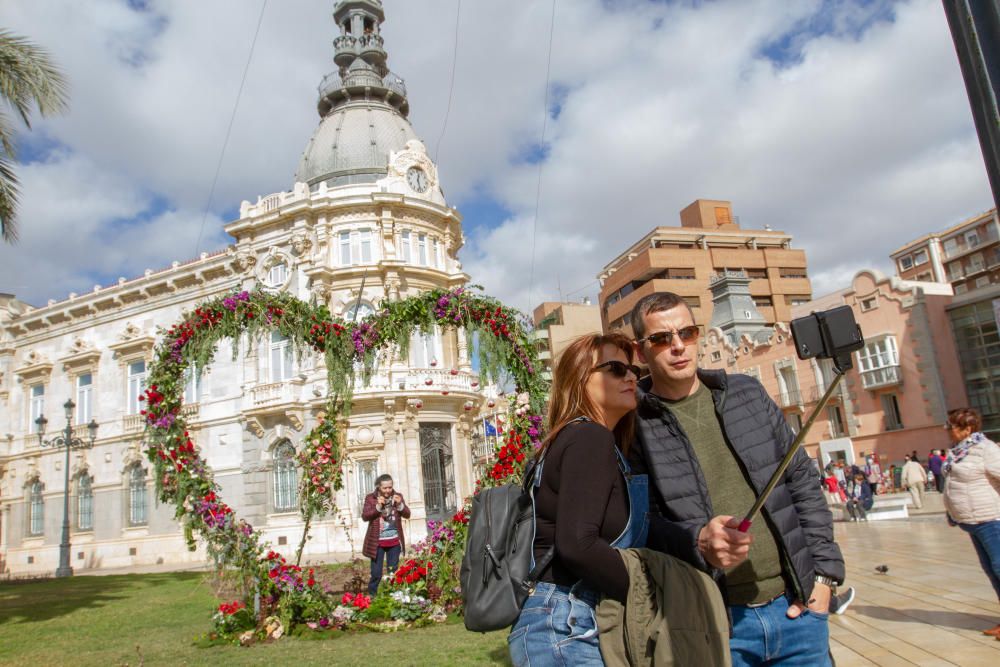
352	144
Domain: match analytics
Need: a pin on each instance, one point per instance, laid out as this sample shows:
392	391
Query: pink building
903	382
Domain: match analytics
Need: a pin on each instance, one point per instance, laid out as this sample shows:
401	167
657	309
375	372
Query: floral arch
280	594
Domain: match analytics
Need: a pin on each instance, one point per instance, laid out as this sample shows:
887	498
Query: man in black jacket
710	442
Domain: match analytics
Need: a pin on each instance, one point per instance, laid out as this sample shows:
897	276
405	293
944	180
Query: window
84	398
278	274
136	385
36	509
191	384
924	277
136	496
345	248
972	239
424	350
878	353
281	357
794	420
961	288
422	249
798	299
982	281
836	420
905	263
37	406
84	502
365	243
285	478
684	273
716	356
435	252
976	263
890	408
405	246
955	270
692	301
763	301
871	303
755	274
920	257
793	273
365	472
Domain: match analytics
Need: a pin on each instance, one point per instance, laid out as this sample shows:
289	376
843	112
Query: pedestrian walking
935	462
914	479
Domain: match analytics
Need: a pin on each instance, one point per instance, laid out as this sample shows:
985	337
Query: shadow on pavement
942	617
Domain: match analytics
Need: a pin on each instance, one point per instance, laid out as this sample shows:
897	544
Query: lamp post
69	442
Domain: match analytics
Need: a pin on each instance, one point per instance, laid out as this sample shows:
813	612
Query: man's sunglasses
618	369
687	335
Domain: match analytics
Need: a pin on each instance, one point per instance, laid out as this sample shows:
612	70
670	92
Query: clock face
417	179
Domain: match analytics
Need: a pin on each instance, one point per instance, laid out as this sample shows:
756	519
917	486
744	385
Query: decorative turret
361	60
734	311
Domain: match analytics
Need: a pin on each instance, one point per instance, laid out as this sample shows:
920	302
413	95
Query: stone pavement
928	609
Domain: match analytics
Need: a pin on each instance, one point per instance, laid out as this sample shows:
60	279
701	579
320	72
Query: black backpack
498	573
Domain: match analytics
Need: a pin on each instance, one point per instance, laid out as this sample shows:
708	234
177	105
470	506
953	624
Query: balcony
791	398
275	393
963	248
483	447
887	376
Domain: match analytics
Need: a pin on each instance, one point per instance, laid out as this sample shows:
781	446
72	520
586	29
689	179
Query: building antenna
541	161
232	118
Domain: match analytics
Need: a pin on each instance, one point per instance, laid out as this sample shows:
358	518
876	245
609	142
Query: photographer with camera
384	510
710	442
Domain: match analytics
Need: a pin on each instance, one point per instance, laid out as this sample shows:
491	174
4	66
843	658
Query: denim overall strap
637	486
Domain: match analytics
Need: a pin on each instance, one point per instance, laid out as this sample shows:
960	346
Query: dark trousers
939	482
391	556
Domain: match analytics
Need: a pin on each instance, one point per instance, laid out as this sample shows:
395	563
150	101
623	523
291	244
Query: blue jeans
557	627
391	556
766	636
986	539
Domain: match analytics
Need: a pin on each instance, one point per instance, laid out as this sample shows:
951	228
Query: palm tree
28	79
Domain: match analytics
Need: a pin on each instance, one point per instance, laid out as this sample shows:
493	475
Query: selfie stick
785	462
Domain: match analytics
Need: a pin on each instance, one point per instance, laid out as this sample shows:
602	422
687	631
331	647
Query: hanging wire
541	162
232	119
451	85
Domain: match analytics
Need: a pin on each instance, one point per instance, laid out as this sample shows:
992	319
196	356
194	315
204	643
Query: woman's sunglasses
687	335
618	369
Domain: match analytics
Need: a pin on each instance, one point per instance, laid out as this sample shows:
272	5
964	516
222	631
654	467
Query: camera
830	334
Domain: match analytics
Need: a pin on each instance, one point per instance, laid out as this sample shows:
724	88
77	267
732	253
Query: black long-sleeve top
582	506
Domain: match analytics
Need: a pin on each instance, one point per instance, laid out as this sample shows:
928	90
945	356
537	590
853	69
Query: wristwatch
829	581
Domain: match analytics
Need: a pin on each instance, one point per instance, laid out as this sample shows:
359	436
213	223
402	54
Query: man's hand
721	545
397	499
819	602
379	501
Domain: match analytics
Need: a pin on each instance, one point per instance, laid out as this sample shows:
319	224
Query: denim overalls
557	625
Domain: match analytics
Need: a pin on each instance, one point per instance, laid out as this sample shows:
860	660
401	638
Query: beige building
557	324
967	255
685	259
903	382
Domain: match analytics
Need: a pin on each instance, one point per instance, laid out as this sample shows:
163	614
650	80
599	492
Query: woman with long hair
972	491
587	503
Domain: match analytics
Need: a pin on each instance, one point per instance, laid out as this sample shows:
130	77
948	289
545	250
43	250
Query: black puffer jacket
757	433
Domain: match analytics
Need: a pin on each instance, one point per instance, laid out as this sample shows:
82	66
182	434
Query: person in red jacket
384	510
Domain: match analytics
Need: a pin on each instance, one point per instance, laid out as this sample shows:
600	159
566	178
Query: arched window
84	502
285	478
36	506
136	496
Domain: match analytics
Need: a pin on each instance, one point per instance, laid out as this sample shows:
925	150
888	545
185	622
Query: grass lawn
154	619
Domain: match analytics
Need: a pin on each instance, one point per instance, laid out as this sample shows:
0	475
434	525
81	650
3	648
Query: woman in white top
972	491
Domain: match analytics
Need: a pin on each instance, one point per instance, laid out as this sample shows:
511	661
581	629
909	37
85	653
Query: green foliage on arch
183	478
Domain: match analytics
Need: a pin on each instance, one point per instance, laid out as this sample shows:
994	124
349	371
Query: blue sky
809	116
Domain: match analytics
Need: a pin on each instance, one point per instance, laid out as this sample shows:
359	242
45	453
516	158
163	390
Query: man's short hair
382	478
654	303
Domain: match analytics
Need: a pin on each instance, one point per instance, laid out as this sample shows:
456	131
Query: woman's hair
382	478
569	398
965	418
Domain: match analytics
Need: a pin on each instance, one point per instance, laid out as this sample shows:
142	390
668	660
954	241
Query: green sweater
758	578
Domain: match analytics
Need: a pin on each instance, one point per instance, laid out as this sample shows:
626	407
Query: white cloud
860	144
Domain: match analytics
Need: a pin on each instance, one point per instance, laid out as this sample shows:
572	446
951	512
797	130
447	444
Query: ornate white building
366	220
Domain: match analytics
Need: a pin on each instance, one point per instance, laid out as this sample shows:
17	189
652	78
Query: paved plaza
931	606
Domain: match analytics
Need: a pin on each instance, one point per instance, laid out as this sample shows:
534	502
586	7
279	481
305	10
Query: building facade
895	398
557	324
684	260
365	220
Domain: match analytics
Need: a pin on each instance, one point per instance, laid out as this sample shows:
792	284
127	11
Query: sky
845	124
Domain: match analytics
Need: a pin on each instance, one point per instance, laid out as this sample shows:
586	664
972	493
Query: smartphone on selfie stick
831	334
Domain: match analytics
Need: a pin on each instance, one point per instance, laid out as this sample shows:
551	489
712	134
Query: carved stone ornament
300	243
243	260
414	155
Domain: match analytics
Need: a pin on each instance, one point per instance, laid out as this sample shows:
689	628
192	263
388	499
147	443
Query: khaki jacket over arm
674	615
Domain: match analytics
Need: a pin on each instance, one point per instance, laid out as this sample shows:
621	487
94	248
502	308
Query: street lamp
69	442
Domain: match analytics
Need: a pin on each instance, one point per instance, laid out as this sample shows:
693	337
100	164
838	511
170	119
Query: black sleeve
587	477
814	515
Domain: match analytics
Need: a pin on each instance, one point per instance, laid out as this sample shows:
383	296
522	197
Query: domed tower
365	221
